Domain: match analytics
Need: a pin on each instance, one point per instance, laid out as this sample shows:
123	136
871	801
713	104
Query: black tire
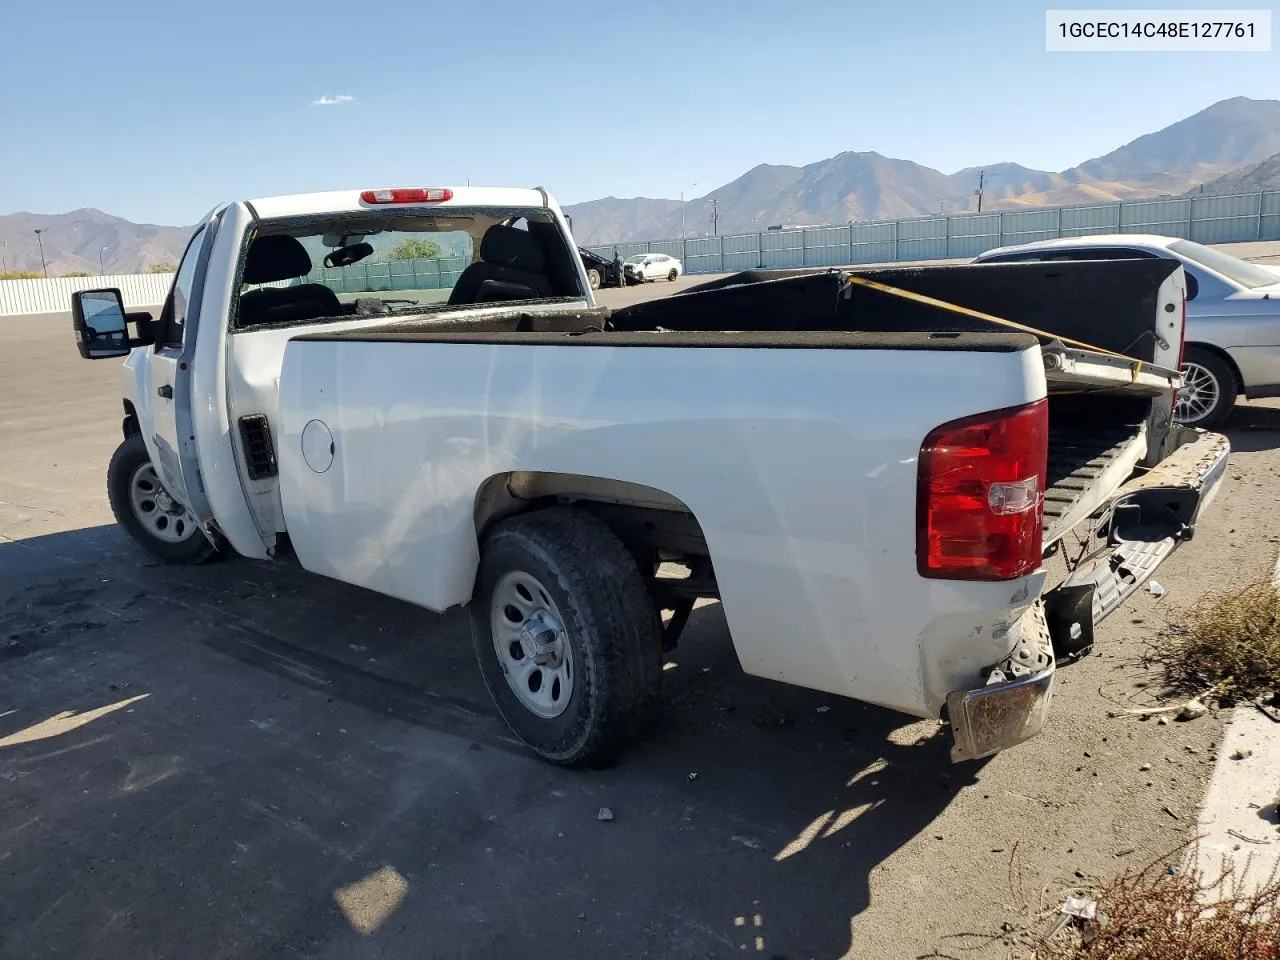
610	624
128	458
671	277
1223	380
593	278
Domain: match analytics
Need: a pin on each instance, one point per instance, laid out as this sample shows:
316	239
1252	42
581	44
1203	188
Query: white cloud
327	101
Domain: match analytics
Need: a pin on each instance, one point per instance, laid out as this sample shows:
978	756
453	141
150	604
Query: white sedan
651	266
1232	345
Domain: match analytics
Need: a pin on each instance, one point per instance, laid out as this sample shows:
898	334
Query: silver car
1232	345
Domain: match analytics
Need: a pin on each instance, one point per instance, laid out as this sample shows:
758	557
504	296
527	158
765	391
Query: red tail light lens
408	195
981	495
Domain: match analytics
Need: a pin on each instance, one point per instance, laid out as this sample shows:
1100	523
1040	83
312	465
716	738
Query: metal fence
19	297
54	295
434	274
1212	219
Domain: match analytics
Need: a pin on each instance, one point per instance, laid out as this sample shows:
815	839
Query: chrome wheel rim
1198	394
160	515
531	644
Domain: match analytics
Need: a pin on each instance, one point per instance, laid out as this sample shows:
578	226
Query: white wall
54	295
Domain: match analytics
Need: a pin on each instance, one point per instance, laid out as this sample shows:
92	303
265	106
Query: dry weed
1230	641
1155	914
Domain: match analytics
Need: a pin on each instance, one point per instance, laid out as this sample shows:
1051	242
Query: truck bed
1086	462
1099	405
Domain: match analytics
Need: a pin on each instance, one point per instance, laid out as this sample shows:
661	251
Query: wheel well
643	517
130	425
1221	355
655	527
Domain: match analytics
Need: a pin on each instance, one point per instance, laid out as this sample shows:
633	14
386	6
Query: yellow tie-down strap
990	318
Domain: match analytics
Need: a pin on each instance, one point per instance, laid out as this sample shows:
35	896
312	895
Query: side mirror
101	327
1193	285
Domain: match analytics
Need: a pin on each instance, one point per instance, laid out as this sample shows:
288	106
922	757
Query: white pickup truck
874	471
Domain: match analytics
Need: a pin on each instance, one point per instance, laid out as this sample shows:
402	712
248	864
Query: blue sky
156	111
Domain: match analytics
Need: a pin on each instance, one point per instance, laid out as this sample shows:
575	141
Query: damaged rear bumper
1013	705
999	715
1147	519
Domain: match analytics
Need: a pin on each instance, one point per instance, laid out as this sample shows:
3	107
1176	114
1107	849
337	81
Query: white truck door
171	440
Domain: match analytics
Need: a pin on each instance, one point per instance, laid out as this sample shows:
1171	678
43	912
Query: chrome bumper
999	715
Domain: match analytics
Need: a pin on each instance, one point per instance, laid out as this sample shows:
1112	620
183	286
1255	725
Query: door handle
165	391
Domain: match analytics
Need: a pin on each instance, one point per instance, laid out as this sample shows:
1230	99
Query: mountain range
1233	145
87	241
1198	150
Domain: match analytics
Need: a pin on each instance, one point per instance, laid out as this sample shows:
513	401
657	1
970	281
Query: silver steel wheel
532	646
1198	395
160	515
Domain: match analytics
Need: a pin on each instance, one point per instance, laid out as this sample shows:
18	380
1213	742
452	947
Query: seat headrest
276	258
511	247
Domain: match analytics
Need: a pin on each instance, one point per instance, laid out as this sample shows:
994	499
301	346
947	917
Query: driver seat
511	267
274	258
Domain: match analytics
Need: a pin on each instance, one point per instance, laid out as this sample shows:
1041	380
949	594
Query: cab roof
348	201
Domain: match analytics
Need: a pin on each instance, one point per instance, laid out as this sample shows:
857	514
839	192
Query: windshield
636	259
1240	272
400	262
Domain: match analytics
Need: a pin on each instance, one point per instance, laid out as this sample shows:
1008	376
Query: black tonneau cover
1108	304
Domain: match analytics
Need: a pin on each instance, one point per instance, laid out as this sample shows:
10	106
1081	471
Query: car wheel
566	635
672	276
593	278
1208	389
157	523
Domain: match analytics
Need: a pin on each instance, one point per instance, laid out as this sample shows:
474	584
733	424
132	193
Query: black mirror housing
102	326
345	256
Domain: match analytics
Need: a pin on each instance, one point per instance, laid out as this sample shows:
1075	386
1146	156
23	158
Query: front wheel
593	278
1208	389
565	635
155	520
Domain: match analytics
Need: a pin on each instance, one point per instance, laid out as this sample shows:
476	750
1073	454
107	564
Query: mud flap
1149	516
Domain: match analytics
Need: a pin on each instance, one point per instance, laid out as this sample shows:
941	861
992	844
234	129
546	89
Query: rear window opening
397	263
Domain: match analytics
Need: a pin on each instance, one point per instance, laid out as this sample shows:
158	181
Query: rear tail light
408	195
980	498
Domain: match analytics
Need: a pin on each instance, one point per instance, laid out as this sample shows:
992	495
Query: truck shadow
1253	427
751	817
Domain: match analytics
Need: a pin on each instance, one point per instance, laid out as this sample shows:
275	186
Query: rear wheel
593	278
672	275
149	514
565	634
1208	389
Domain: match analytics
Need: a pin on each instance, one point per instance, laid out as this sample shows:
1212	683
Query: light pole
683	234
102	271
43	266
4	261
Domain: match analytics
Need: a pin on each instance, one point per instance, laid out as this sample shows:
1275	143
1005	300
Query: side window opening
173	317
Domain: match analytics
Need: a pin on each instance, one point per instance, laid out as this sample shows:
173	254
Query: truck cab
200	382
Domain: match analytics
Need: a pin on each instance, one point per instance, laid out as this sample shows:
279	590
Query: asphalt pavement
241	760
